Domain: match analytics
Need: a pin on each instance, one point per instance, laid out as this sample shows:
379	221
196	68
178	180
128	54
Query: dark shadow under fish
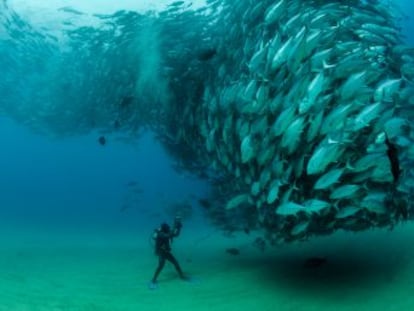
314	262
233	251
392	154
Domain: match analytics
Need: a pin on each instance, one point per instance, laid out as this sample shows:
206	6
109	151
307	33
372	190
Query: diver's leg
161	263
170	257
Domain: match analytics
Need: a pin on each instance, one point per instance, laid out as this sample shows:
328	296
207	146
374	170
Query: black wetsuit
163	250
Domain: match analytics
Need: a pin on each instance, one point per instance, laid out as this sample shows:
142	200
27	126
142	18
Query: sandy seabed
365	271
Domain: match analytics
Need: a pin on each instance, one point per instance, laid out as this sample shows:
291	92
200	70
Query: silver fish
322	157
329	178
344	191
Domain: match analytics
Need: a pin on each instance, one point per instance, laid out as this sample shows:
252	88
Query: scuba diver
163	237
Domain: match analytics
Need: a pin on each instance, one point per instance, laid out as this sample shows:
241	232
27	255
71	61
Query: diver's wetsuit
163	250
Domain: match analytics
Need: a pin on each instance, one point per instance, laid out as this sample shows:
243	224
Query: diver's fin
152	285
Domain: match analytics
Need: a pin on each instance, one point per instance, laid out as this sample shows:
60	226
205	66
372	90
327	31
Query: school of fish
306	112
299	113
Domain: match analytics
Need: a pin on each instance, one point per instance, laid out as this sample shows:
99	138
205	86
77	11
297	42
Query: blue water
71	182
407	7
62	182
77	184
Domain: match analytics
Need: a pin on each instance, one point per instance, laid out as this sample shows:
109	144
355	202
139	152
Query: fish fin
365	186
348	166
295	187
326	65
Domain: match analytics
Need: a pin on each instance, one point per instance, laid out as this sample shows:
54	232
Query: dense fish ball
307	106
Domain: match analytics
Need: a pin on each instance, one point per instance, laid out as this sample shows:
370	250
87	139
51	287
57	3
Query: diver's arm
177	226
176	231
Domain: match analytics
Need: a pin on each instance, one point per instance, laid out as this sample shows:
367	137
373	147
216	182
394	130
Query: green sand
367	271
